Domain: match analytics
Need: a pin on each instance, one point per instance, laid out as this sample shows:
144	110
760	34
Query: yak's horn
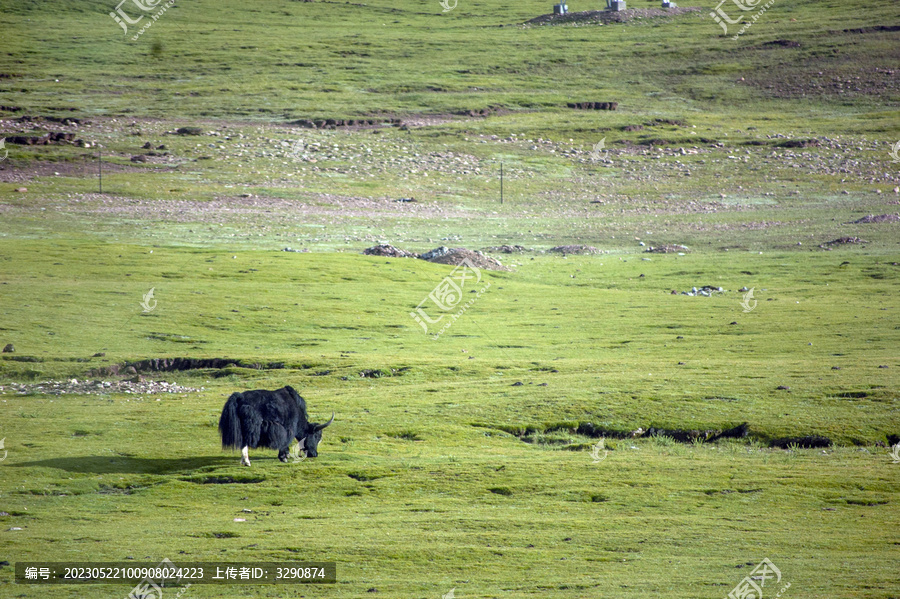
321	426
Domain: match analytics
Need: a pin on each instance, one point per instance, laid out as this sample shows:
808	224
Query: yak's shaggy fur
272	419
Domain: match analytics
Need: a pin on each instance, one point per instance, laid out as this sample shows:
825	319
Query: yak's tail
230	424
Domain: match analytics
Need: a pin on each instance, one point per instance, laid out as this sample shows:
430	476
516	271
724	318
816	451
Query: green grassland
460	466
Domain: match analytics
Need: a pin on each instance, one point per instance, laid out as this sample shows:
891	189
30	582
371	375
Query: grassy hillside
282	60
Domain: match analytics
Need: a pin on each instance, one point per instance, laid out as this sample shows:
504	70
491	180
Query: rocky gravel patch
608	16
386	249
439	255
576	249
76	387
456	256
667	249
842	241
506	249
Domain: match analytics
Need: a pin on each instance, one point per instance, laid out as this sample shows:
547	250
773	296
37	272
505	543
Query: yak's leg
245	456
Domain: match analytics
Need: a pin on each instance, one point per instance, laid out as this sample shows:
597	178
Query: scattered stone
387	250
705	291
782	388
607	16
45	140
667	249
842	241
506	249
373	373
189	131
435	253
576	249
456	257
132	386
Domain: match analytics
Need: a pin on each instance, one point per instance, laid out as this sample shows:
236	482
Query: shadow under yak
129	465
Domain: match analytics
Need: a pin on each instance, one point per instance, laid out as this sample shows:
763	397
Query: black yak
270	419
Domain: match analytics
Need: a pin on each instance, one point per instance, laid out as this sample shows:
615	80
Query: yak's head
313	435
